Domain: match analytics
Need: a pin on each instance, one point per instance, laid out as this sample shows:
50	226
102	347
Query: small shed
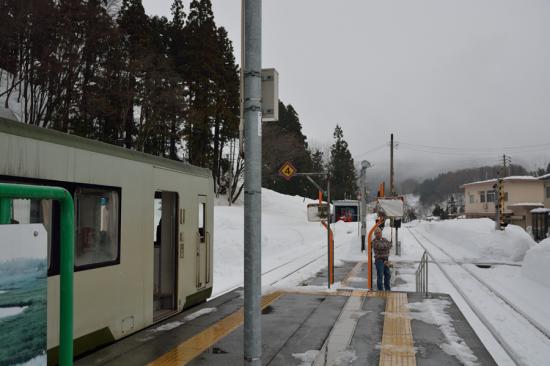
541	223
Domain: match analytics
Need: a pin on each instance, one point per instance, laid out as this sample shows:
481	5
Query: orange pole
369	238
330	253
320	198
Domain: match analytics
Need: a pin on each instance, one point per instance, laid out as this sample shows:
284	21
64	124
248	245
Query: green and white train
144	225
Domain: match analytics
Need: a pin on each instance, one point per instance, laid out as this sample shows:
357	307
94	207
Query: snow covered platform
310	325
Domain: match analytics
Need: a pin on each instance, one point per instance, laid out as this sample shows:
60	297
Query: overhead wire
545	145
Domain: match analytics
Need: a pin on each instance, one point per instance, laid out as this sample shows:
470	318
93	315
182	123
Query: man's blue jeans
382	271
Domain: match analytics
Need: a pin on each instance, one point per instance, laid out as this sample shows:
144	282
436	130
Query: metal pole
328	232
497	203
392	187
253	181
363	207
397	246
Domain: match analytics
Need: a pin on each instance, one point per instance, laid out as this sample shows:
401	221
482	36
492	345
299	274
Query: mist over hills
434	184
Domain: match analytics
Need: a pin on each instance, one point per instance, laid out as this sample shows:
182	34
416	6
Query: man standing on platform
381	247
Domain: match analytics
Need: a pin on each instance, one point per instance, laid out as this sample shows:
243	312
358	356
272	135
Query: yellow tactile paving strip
397	340
185	352
340	292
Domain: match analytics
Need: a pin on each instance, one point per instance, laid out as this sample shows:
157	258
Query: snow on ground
199	313
307	358
477	240
536	264
510	303
294	249
289	242
433	311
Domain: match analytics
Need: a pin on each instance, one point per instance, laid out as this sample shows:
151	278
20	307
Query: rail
422	275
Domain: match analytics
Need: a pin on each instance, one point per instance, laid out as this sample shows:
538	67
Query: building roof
541	210
532	204
15	128
544	177
514	178
345	202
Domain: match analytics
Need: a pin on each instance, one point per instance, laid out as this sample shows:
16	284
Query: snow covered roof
525	204
544	177
540	210
525	178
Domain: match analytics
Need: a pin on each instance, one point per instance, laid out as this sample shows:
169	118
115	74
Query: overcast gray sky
452	73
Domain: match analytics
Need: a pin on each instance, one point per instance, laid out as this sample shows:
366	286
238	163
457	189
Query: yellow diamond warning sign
287	171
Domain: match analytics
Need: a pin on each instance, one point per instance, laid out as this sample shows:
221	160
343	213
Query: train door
203	245
165	257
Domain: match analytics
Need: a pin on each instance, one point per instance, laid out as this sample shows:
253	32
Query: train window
202	222
97	226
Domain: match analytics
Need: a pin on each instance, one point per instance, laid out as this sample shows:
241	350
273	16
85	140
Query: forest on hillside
167	86
440	188
105	70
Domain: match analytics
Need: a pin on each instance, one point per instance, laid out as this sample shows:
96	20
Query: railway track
301	265
517	348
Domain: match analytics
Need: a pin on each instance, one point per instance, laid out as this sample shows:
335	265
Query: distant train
144	229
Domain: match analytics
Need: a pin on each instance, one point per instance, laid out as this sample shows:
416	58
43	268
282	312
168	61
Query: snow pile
307	358
536	263
168	326
289	242
433	312
199	313
477	239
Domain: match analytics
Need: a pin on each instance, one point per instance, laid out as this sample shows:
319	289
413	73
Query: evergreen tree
341	168
202	65
227	110
283	141
134	27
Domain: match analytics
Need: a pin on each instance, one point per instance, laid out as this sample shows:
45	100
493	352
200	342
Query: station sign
288	171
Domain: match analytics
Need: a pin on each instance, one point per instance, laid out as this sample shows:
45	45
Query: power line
487	153
379	147
495	149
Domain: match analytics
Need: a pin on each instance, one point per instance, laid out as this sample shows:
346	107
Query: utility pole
496	191
252	110
364	165
392	187
506	164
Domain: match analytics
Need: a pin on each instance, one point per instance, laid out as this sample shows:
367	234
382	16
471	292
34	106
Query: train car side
144	226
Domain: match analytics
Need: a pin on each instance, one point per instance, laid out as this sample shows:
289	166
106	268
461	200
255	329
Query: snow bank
536	263
477	239
289	242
